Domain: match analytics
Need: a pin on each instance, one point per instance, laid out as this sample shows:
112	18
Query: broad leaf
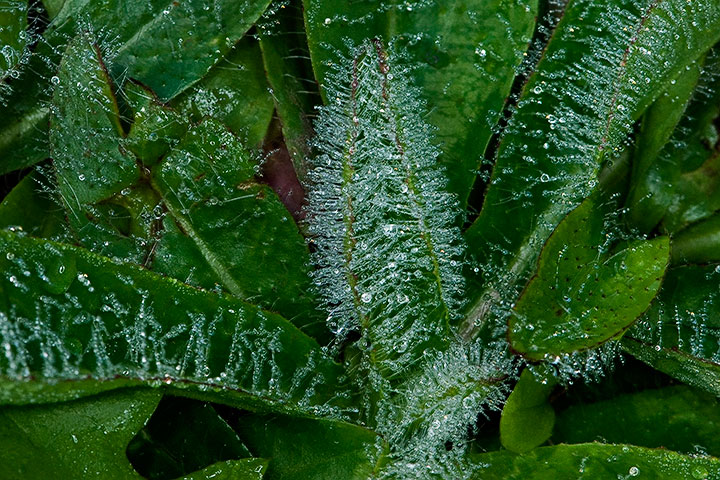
677	418
164	44
232	229
527	417
201	217
77	439
234	92
680	334
585	291
91	172
465	54
593	461
245	469
76	324
302	449
574	113
181	437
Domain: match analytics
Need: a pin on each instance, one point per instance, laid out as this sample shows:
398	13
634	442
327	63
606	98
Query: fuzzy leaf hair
387	246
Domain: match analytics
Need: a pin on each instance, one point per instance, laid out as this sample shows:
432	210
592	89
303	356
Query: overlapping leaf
464	54
75	324
680	334
605	63
585	292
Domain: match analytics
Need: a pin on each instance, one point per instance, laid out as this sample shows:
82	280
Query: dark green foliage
321	239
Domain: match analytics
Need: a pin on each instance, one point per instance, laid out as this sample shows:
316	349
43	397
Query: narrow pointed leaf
289	72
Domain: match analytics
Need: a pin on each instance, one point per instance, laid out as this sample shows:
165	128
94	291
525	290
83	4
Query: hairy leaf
75	324
680	334
605	63
464	55
382	224
585	292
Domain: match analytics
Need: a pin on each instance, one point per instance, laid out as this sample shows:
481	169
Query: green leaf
226	229
677	418
240	230
84	107
286	60
181	437
302	449
245	469
166	45
14	39
91	163
660	120
387	250
678	187
527	417
698	243
76	324
585	292
24	121
78	439
466	53
53	7
155	128
30	206
235	92
679	334
593	461
574	113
